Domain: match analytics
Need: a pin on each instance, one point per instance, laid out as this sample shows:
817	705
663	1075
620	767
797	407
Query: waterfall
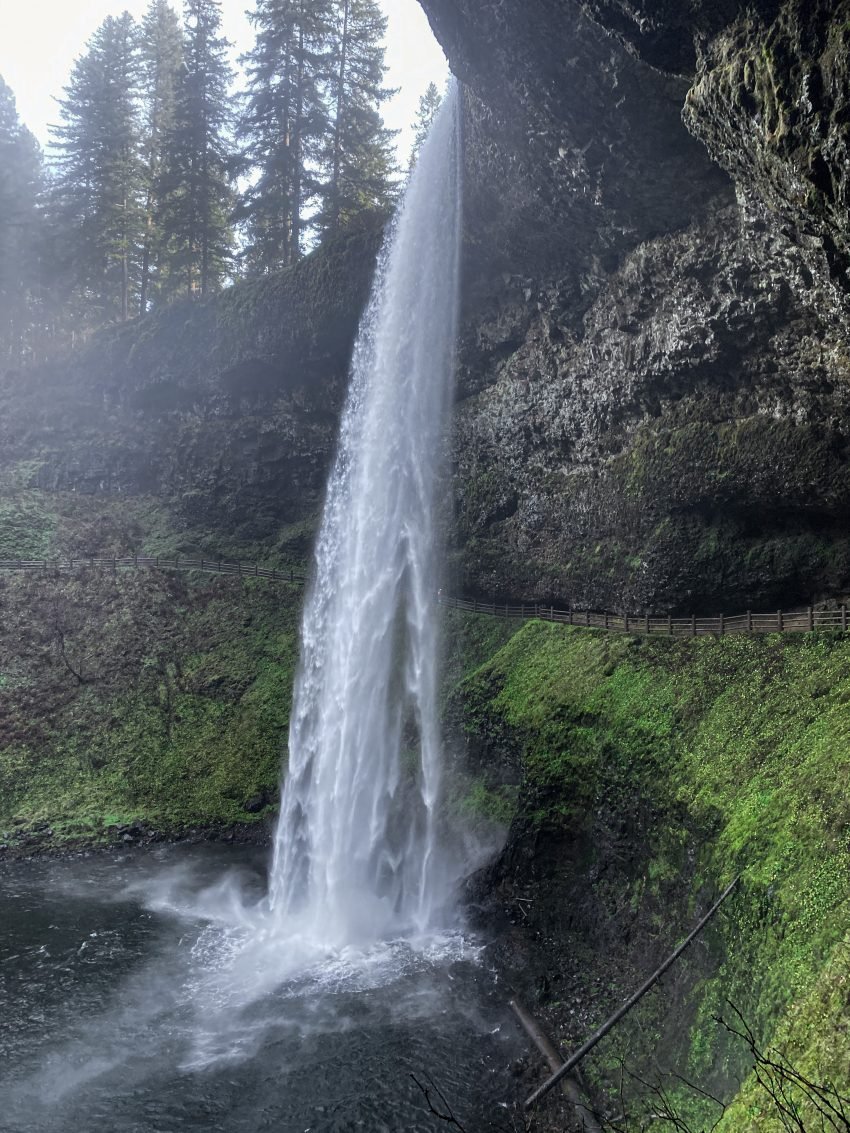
357	852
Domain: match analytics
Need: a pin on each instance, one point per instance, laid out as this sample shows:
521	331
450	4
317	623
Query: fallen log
607	1026
569	1085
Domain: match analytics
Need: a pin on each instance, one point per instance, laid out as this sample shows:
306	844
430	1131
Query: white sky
39	40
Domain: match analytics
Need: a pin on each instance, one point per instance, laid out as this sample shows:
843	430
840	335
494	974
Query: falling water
356	851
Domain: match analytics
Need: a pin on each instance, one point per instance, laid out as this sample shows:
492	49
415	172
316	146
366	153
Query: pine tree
20	186
359	153
161	51
196	191
283	126
99	186
429	104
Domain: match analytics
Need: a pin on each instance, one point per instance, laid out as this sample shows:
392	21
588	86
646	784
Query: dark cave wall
654	358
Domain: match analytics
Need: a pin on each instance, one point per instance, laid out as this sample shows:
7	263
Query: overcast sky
39	40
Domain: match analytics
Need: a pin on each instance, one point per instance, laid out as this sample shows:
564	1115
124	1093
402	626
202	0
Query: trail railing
801	620
153	562
804	620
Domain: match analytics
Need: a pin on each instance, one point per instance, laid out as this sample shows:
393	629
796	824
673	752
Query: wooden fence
801	620
154	562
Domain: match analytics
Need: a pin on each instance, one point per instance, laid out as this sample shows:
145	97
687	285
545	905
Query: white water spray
356	850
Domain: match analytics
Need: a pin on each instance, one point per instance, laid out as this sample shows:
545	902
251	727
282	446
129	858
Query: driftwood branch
597	1036
570	1086
788	1088
446	1114
59	630
664	1110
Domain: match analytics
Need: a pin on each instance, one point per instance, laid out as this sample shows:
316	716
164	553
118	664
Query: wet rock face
653	366
573	142
680	446
665	32
771	101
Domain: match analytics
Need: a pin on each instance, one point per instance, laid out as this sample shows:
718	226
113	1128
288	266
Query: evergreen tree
429	104
161	50
195	185
99	185
20	185
283	126
359	152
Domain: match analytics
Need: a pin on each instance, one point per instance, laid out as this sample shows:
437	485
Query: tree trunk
340	107
297	154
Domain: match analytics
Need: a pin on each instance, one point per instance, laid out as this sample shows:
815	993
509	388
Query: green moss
183	714
496	805
27	526
741	748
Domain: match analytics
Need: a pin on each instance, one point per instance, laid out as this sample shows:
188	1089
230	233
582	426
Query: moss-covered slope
654	772
140	697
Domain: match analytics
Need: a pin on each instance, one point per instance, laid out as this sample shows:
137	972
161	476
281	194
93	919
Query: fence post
552	613
606	619
587	617
780	624
722	625
493	611
626	617
844	617
693	625
646	624
669	625
811	619
749	621
475	605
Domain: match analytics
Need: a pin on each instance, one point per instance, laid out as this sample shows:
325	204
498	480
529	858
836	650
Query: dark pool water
140	993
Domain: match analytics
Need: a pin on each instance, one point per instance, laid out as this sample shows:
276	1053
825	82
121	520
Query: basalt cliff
652	416
652	406
652	409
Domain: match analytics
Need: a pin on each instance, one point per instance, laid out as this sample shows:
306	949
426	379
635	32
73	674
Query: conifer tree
359	153
283	126
429	104
20	185
161	51
99	185
195	185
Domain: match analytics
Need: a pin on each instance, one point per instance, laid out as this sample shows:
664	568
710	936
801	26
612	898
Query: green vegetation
158	172
646	772
141	696
27	526
738	750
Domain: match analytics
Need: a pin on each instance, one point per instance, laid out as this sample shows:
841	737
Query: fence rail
801	620
154	562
